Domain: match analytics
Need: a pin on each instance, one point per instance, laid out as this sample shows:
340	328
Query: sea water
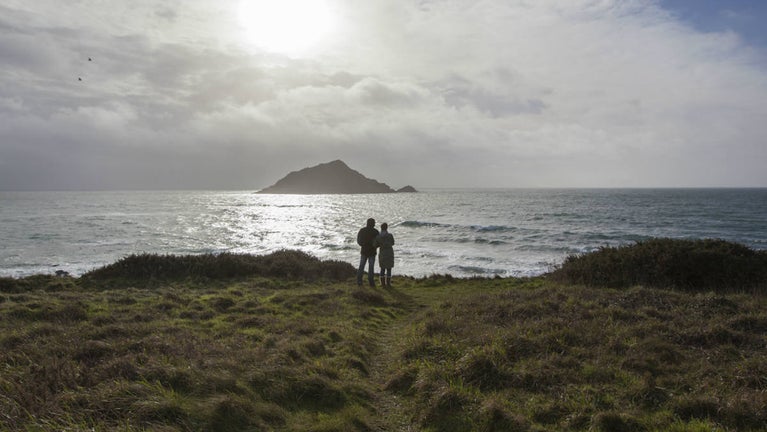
461	232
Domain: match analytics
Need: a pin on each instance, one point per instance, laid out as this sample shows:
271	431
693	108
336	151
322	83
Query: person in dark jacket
365	238
385	243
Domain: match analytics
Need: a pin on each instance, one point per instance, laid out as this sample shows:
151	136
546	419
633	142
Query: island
329	178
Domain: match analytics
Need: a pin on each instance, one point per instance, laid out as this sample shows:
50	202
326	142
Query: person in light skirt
385	244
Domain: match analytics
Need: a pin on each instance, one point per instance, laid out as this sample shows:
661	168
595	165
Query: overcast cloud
432	93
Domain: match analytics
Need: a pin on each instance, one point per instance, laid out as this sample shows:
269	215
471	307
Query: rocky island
329	178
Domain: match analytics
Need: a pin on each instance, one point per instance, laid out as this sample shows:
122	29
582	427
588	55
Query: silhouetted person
385	242
365	238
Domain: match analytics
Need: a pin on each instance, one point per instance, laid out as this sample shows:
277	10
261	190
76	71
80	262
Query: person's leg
388	277
382	276
361	268
371	270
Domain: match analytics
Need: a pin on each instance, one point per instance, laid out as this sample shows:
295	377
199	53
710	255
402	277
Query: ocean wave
553	249
202	251
419	224
456	239
43	236
490	242
483	259
337	247
601	236
493	228
475	270
420	254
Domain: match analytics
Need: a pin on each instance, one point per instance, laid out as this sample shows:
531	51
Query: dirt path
392	409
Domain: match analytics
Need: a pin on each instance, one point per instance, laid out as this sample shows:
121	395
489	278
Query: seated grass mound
691	265
616	422
231	413
283	264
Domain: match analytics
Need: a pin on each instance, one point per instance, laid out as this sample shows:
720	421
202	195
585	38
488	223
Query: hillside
288	342
329	178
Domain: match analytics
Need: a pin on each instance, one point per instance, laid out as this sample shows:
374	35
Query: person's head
371	223
384	226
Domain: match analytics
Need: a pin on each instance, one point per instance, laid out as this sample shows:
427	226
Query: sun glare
289	27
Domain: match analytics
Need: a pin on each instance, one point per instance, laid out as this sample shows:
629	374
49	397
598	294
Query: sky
234	94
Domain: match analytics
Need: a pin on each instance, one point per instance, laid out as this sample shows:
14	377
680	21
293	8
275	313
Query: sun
290	27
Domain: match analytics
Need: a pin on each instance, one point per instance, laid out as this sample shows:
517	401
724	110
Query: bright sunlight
288	27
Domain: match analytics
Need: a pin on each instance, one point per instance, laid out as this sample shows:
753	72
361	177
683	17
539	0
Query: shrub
284	264
9	285
47	282
693	265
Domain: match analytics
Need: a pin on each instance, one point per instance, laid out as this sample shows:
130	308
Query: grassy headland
288	342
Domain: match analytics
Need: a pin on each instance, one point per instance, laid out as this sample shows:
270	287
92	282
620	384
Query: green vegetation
573	358
692	265
239	343
282	264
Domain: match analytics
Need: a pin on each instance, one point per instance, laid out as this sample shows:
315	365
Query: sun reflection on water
510	233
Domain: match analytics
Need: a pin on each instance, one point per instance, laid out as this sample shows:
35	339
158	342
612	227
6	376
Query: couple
370	239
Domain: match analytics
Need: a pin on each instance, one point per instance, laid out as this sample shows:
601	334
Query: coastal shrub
8	285
691	265
46	282
283	264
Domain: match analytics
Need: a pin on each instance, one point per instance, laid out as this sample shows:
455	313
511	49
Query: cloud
432	93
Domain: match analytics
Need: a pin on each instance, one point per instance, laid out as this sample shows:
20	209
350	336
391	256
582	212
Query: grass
184	344
553	357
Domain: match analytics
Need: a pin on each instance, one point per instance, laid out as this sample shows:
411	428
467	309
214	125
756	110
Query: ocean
510	232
